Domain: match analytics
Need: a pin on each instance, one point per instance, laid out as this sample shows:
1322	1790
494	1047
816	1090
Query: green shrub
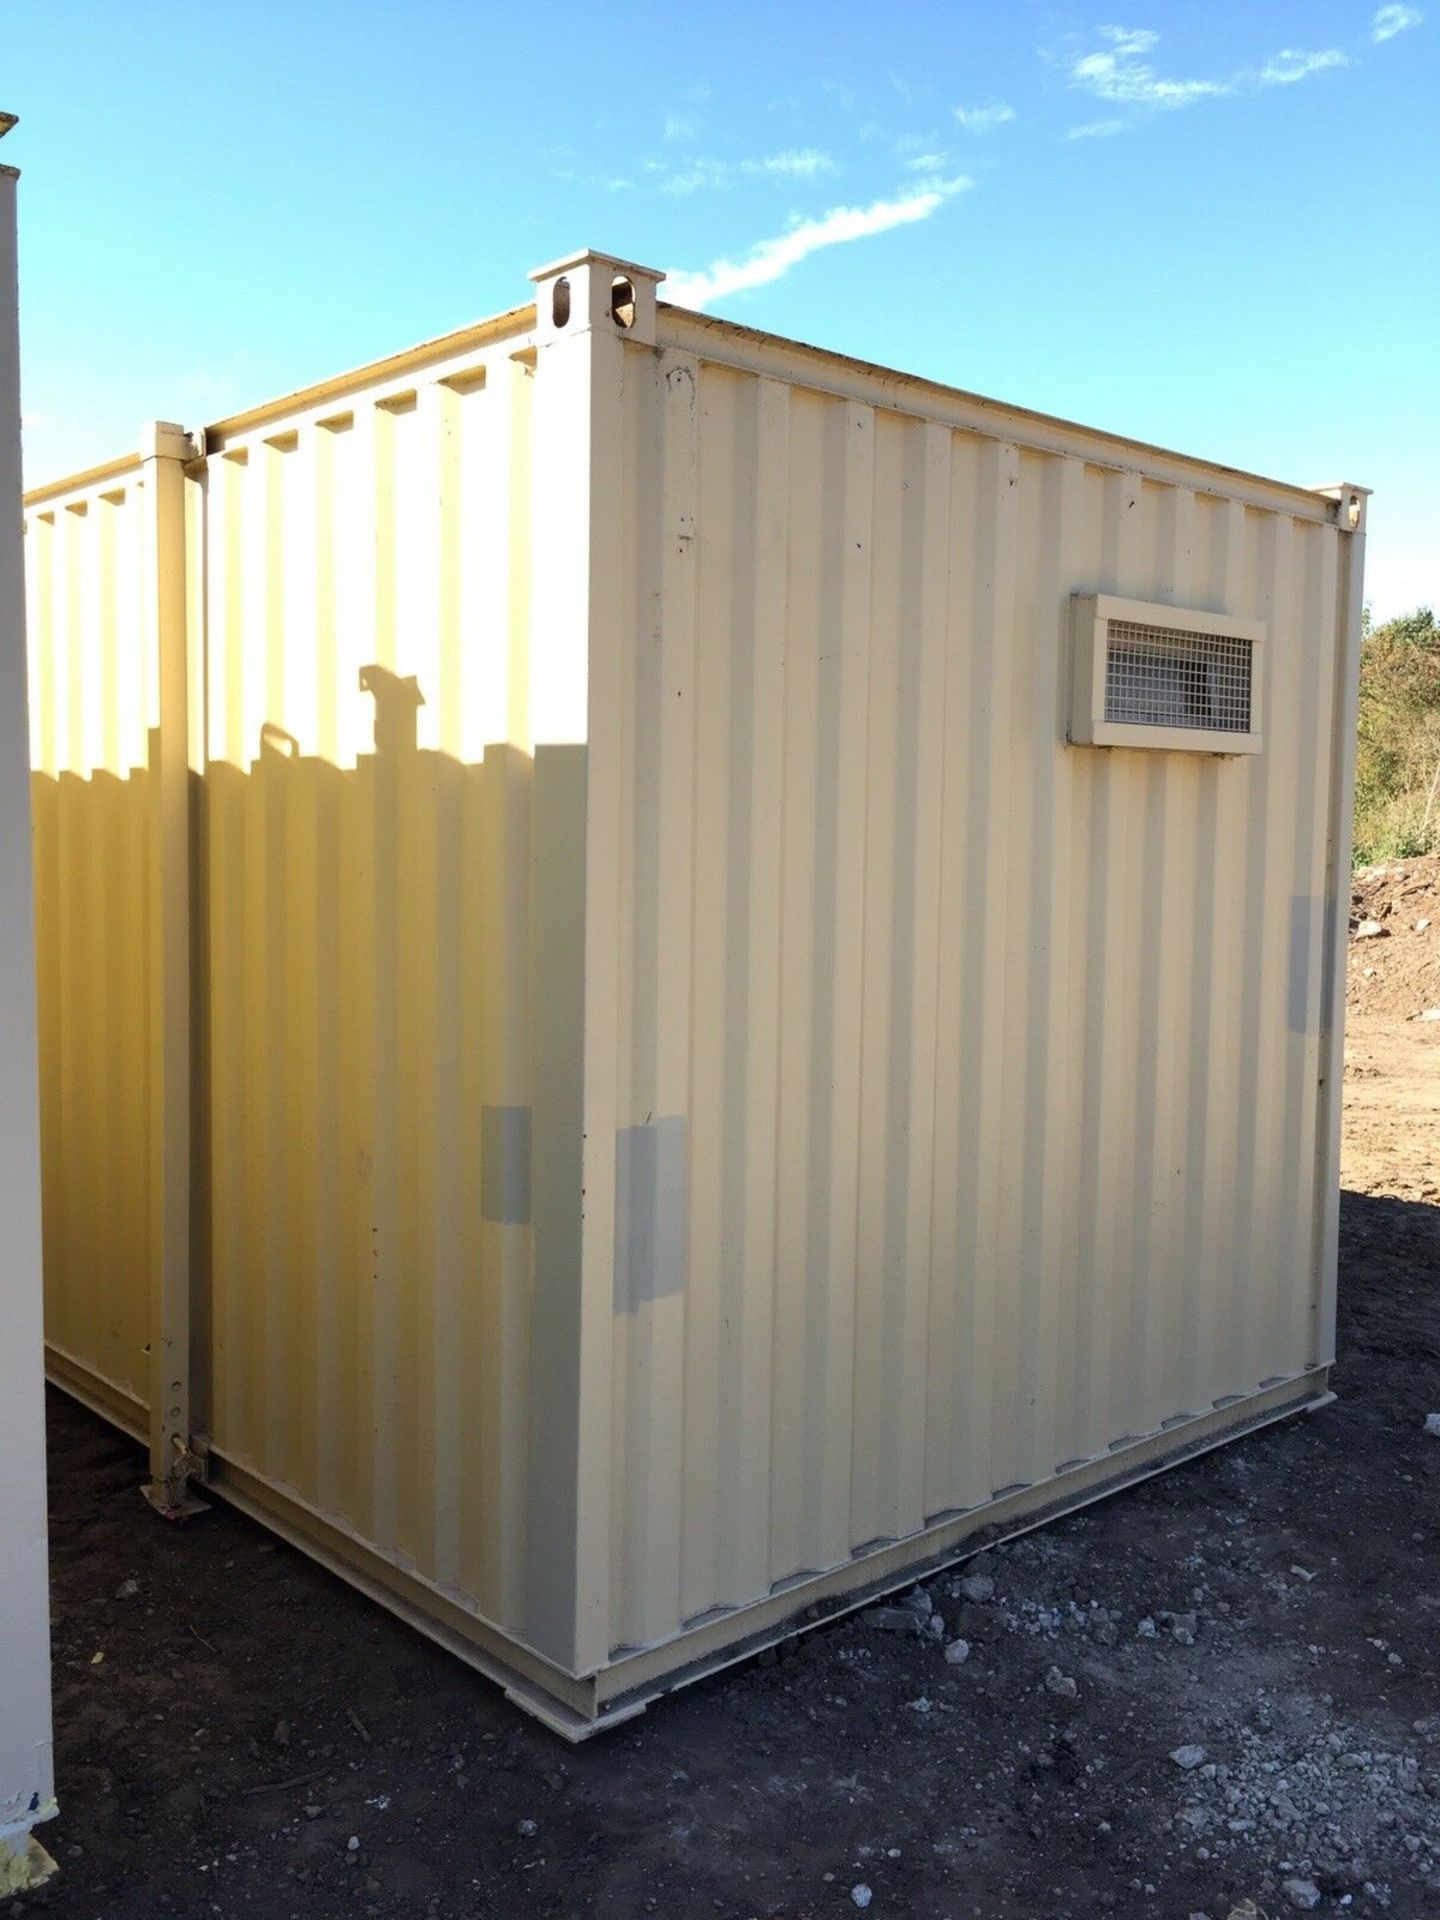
1397	764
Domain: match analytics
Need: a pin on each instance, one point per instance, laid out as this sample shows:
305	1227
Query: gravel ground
1217	1694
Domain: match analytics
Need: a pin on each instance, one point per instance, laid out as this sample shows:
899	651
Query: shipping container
27	1780
680	975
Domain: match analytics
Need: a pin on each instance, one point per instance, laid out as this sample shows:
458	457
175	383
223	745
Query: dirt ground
1392	1051
238	1734
1395	940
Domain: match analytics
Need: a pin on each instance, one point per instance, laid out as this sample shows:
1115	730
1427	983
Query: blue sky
1212	226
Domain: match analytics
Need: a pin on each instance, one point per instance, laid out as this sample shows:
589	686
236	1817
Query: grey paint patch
1305	919
505	1165
651	1212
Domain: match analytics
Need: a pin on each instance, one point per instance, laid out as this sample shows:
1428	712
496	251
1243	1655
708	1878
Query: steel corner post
165	450
591	310
1351	512
576	401
27	1792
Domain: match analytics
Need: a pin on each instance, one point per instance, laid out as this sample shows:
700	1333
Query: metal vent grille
1176	677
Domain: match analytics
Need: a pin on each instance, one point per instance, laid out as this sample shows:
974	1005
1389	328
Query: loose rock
1301	1893
893	1620
1188	1758
958	1652
1061	1684
861	1894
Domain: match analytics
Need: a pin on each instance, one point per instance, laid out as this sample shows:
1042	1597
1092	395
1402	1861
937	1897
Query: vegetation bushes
1397	768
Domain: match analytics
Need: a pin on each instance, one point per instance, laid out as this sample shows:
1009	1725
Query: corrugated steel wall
381	840
949	1098
970	1078
94	705
389	885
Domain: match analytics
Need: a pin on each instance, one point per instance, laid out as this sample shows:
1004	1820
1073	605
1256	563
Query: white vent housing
1147	675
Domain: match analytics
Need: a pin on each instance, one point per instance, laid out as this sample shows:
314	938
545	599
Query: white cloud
1129	40
601	182
1389	21
800	163
984	119
681	126
928	162
770	260
690	176
1119	73
1096	130
1283	69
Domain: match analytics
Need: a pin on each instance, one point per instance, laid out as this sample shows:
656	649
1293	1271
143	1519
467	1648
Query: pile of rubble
1395	939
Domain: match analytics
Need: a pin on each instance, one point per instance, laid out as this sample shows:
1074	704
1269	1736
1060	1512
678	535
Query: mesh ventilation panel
1174	677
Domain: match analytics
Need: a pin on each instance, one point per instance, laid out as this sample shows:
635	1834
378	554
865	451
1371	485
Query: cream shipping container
678	974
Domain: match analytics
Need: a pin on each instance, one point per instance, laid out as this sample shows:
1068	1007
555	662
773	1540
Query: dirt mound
1395	938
